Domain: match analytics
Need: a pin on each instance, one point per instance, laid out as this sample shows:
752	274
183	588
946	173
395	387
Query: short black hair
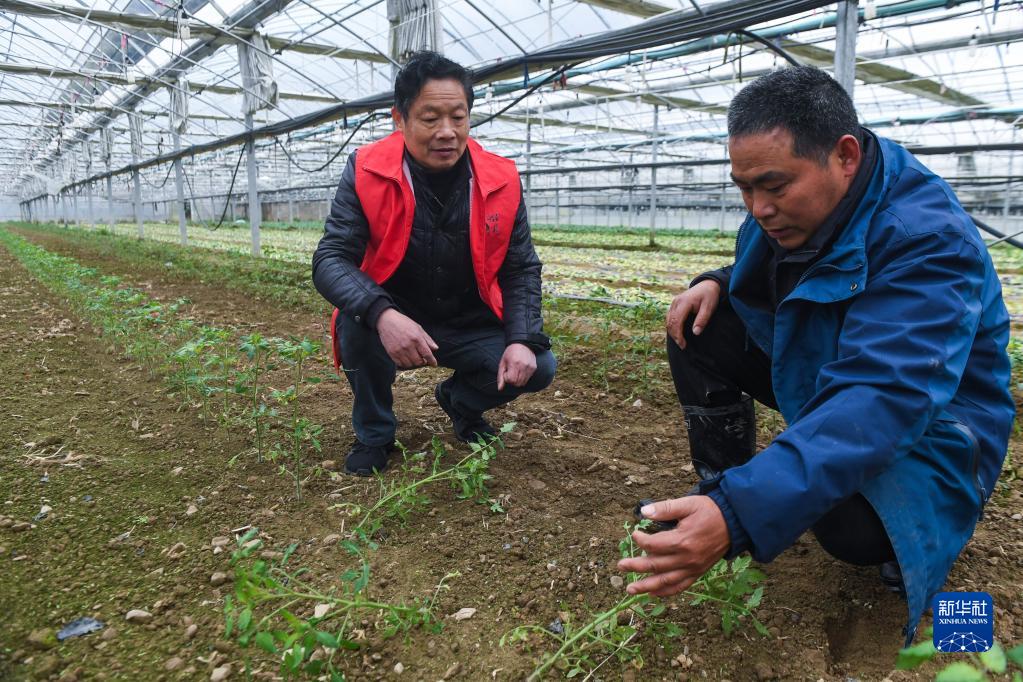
803	100
421	67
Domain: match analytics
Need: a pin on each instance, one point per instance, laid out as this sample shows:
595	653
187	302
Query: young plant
402	496
996	662
295	354
586	647
308	629
257	349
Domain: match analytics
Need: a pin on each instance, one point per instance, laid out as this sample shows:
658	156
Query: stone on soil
176	551
464	614
138	616
221	673
43	638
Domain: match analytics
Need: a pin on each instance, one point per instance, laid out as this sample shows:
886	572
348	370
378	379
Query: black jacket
438	240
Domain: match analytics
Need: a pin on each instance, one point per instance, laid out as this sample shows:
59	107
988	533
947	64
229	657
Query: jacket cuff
376	309
535	342
721	276
740	539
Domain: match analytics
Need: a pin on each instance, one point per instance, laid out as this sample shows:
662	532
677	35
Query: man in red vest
428	260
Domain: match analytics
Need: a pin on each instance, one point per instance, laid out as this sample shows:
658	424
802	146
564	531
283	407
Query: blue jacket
889	365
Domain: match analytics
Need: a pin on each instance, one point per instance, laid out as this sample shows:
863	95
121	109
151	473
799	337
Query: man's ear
849	154
399	120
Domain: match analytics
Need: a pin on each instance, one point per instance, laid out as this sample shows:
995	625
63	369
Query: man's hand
517	365
405	341
677	558
701	299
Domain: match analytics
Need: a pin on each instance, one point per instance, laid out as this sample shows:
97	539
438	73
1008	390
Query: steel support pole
255	211
1008	183
653	181
74	207
92	209
110	201
179	182
136	181
529	167
291	200
557	196
845	44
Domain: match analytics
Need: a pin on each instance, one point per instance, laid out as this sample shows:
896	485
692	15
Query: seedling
257	349
400	497
281	612
584	648
295	354
977	667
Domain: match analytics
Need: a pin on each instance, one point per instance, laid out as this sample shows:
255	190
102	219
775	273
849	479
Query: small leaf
761	628
1015	655
913	656
245	619
994	659
754	600
328	640
265	641
960	671
348	644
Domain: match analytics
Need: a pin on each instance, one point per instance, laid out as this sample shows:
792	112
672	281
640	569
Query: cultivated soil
92	435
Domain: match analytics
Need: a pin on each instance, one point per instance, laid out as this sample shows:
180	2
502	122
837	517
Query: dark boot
468	428
891	578
366	460
721	437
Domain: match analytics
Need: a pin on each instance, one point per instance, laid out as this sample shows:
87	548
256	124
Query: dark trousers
474	354
721	364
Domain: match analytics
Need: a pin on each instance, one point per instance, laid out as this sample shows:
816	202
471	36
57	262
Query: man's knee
853	532
359	344
546	368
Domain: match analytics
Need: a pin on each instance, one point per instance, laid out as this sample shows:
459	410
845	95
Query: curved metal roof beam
637	8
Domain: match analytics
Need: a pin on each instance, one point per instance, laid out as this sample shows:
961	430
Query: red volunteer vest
389	205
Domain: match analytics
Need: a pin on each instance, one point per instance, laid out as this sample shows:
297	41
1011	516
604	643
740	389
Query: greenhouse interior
176	416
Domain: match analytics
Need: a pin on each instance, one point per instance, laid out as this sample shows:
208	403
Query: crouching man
863	305
428	259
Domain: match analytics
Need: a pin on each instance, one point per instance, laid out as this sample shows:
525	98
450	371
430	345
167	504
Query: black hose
1009	239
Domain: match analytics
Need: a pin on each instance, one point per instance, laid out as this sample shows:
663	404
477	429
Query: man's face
437	125
788	195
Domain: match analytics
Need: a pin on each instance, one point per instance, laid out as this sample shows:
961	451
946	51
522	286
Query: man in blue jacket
863	305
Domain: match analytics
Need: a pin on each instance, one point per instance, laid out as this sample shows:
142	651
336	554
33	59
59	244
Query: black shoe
467	429
891	577
366	460
721	437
